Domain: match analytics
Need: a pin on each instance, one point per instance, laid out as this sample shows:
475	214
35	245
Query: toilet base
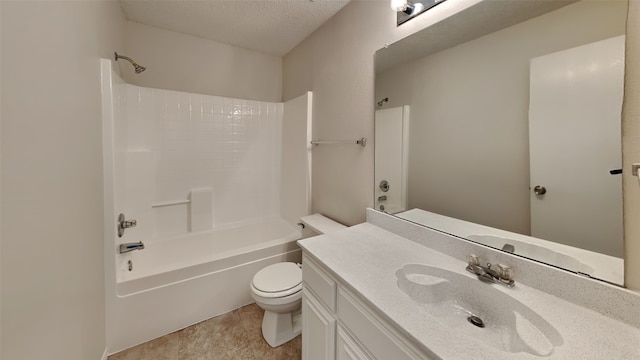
278	329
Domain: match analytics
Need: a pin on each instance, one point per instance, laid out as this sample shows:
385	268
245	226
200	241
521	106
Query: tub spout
126	247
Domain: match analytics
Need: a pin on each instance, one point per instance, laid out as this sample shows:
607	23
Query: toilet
277	288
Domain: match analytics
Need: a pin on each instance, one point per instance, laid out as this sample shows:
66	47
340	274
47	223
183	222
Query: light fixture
408	9
399	5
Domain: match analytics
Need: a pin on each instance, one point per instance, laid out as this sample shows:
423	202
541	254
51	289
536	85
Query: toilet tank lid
321	224
278	277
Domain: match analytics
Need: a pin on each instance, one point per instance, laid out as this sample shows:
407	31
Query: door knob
539	190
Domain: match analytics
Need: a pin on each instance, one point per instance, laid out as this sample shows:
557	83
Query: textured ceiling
269	26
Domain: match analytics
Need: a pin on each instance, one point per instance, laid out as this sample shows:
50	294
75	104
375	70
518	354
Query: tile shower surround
173	142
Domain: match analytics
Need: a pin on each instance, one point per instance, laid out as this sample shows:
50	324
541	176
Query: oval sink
461	302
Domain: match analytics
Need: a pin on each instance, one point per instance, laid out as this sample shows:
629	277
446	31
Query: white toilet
277	288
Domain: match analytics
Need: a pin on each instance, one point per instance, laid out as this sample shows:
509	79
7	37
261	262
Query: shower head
138	68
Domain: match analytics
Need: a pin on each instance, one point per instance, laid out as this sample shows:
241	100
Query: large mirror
502	125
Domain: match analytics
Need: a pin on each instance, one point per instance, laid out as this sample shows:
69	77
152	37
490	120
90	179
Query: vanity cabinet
338	325
348	349
318	329
318	313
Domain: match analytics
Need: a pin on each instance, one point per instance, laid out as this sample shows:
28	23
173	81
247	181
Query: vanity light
400	5
408	9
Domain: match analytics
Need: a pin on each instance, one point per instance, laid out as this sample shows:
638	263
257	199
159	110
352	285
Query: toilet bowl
277	289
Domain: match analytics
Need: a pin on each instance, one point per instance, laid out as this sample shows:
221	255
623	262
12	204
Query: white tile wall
195	141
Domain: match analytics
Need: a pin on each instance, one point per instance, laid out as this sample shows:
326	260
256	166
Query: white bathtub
180	281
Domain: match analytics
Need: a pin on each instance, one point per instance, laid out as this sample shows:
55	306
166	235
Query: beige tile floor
234	335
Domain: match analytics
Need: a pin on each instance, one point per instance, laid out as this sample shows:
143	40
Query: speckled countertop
367	257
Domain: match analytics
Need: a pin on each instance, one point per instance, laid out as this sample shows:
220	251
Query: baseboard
104	355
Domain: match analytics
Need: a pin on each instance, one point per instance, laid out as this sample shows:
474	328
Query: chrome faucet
503	276
126	247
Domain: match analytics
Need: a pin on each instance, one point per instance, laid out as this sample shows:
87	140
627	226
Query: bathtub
176	282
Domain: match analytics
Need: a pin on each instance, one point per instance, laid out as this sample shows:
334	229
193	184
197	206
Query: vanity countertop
366	257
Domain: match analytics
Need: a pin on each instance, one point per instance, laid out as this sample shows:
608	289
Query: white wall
187	63
53	304
631	148
0	184
489	161
336	63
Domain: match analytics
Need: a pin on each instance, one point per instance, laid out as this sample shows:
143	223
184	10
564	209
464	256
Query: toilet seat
277	280
273	295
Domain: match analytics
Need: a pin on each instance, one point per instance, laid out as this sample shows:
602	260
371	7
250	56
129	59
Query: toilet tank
318	224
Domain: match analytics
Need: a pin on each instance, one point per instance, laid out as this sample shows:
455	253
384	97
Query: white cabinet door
373	333
347	349
318	329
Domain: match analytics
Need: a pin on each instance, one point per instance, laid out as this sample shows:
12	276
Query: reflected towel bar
169	203
362	142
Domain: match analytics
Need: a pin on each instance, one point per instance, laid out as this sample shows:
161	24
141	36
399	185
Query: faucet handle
505	272
473	260
124	224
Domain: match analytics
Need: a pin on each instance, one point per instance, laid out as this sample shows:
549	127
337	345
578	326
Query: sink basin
457	301
536	252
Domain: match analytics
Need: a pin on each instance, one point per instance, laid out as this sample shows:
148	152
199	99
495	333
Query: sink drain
476	321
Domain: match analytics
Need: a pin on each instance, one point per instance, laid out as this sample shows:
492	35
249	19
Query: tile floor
232	336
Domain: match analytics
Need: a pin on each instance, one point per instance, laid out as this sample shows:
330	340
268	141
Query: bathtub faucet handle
129	224
124	224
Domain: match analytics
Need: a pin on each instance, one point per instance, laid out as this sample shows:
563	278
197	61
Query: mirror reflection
508	133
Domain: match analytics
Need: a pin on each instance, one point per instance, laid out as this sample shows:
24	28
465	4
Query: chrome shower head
138	68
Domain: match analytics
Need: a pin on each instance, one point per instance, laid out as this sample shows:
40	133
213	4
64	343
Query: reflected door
575	141
391	153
